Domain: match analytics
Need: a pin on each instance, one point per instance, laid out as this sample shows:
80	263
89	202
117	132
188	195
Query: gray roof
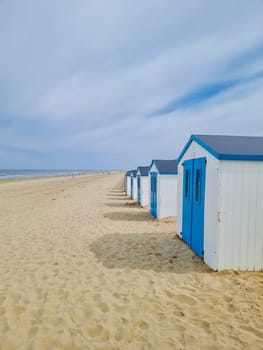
165	166
229	147
144	170
134	173
128	173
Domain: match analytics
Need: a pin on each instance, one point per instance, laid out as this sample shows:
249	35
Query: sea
31	173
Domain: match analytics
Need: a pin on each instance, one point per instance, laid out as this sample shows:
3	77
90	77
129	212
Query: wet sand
83	267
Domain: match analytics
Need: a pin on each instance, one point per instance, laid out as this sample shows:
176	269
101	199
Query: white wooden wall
240	241
135	188
128	185
211	201
166	193
144	191
167	196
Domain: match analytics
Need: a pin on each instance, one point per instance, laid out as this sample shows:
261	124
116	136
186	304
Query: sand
83	267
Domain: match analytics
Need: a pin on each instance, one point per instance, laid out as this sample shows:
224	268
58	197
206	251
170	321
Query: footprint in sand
143	325
103	307
202	324
99	332
18	309
169	294
33	331
2	311
253	331
120	334
116	295
185	299
96	297
119	308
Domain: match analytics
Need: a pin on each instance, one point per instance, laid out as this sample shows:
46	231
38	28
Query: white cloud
92	72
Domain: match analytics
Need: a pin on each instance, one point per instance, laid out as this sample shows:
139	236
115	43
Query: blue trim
151	165
139	174
139	189
240	157
206	147
163	173
216	154
153	194
184	149
166	173
150	171
194	174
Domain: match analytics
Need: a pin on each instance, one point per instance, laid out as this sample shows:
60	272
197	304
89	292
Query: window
197	185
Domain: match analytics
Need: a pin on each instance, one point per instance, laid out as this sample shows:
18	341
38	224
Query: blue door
154	194
193	204
139	190
131	186
187	200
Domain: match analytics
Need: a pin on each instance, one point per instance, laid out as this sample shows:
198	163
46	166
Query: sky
99	84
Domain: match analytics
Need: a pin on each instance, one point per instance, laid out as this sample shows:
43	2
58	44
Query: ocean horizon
32	173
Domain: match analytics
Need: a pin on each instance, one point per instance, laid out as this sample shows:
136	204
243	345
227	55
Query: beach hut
220	200
128	182
143	185
134	184
163	188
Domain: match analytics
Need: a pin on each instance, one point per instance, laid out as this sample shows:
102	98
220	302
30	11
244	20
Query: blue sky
113	84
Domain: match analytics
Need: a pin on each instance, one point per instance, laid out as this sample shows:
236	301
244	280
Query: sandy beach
83	267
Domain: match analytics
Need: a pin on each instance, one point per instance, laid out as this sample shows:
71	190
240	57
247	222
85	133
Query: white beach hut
134	184
220	200
128	182
163	188
143	185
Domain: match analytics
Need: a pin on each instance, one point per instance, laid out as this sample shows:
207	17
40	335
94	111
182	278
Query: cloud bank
114	84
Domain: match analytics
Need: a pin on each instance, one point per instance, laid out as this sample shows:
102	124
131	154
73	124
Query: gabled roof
229	147
144	170
165	166
128	173
133	173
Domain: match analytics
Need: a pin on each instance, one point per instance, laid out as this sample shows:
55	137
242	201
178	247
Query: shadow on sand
117	191
127	216
109	196
162	252
123	205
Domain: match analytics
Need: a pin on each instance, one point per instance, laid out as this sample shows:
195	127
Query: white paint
233	217
144	191
240	242
166	193
135	188
167	196
128	185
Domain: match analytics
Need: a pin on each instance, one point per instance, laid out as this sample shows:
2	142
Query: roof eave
168	173
249	157
200	143
241	157
153	162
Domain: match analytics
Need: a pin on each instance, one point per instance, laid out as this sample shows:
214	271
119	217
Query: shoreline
41	177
